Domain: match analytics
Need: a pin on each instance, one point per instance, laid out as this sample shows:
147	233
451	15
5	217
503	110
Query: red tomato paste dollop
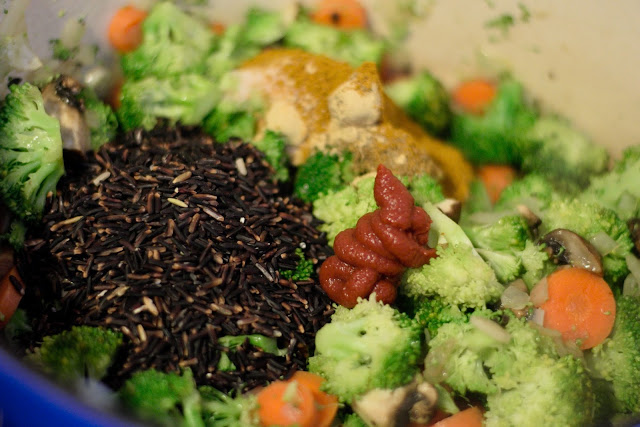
373	256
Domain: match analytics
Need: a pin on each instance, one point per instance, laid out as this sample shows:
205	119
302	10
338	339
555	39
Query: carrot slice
470	417
343	14
326	404
218	28
125	29
580	305
11	292
287	403
474	96
496	178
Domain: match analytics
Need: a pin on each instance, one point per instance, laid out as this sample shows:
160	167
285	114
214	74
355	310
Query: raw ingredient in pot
179	243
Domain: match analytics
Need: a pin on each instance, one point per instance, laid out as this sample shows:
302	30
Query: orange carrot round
343	14
470	417
287	403
581	306
496	178
10	295
474	96
125	29
326	404
218	28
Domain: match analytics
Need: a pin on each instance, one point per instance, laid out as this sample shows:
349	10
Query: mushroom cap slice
566	247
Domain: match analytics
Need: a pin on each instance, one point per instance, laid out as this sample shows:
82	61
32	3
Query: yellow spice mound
319	103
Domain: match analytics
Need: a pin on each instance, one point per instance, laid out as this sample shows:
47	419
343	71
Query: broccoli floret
223	410
372	345
432	313
424	99
353	46
499	243
493	136
224	125
31	161
304	268
588	220
458	274
617	189
536	264
173	44
341	209
102	121
532	190
267	344
186	99
82	350
242	41
322	173
477	201
554	149
521	374
16	234
273	145
169	399
617	359
353	420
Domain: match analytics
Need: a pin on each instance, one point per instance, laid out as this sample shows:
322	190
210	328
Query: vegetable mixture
271	224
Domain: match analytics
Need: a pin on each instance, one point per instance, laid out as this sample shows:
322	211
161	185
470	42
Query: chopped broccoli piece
554	149
353	420
31	161
267	344
499	243
60	51
16	234
102	121
223	125
322	173
587	220
173	44
525	368
432	313
458	274
273	145
477	201
533	190
493	136
169	399
617	359
82	350
369	346
424	189
186	99
263	27
354	46
223	410
424	99
617	189
536	264
17	326
303	271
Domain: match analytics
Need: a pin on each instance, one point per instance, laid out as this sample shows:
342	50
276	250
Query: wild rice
176	241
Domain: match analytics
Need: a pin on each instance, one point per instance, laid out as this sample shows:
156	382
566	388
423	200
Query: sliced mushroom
62	102
566	247
451	208
634	228
414	402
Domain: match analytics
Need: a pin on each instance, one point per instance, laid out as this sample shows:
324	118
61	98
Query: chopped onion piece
540	293
514	298
491	328
72	33
538	317
520	284
603	243
631	287
634	266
